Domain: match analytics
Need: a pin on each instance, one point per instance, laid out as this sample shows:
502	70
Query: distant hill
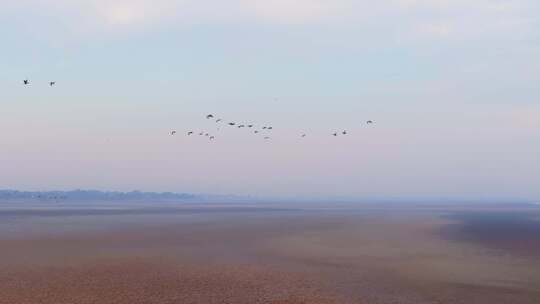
95	195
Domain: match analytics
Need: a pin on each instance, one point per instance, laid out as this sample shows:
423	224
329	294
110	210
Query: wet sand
270	254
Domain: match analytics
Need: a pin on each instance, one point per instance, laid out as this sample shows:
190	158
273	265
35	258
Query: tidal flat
268	253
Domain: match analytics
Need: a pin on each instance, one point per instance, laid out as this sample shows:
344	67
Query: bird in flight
250	126
26	82
190	133
209	116
269	128
201	133
212	137
303	135
173	132
369	122
344	132
335	134
219	120
232	123
52	83
256	131
241	126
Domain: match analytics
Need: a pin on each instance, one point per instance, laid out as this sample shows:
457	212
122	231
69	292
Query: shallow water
513	231
27	220
275	253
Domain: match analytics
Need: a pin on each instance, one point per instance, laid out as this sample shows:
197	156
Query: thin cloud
414	18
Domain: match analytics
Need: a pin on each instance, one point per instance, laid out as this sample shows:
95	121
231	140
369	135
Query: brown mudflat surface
146	280
267	256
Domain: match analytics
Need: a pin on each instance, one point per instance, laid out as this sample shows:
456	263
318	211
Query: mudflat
177	253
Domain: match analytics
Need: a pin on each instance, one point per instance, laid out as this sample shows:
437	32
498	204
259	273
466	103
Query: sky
452	86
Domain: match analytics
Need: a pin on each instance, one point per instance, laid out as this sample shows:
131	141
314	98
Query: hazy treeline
94	195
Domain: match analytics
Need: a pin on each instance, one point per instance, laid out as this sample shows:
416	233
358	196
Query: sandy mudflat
269	255
145	280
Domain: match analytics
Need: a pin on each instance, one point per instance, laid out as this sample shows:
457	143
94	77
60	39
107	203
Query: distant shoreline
116	196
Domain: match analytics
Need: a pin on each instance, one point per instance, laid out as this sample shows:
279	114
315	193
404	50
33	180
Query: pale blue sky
452	85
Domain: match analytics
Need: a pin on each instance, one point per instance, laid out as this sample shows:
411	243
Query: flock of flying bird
26	82
250	126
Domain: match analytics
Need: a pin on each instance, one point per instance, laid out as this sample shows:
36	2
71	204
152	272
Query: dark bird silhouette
212	137
219	120
190	133
344	132
250	126
232	123
241	126
206	134
256	132
369	122
335	134
173	132
26	82
52	83
269	128
209	116
303	135
264	128
201	134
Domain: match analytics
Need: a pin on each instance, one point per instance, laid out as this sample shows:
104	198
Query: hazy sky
453	85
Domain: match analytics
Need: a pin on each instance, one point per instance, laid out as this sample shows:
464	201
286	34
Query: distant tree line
86	195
